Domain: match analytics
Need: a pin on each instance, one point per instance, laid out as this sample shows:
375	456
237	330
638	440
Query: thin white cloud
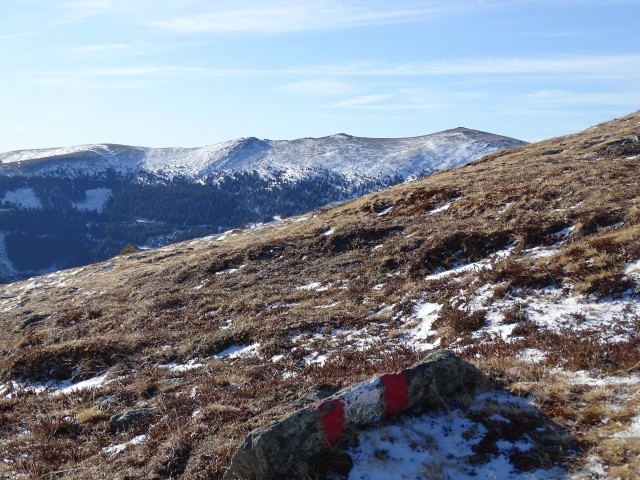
165	71
289	16
109	47
319	87
91	84
11	36
78	10
625	67
564	97
594	65
362	100
380	102
134	77
395	107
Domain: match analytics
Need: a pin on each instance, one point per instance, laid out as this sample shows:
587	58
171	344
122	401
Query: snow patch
316	358
554	309
385	211
317	286
230	270
632	432
565	232
22	198
426	314
56	388
116	449
328	305
95	200
238	351
439	445
472	267
531	355
185	367
582	377
633	270
541	252
442	208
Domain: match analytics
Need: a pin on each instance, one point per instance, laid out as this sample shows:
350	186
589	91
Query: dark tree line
146	211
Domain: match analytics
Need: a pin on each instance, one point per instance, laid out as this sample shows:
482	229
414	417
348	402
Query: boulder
123	420
285	449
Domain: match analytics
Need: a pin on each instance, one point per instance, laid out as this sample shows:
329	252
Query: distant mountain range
63	207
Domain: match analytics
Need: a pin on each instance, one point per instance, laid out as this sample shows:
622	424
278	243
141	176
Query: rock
36	318
304	440
125	419
107	401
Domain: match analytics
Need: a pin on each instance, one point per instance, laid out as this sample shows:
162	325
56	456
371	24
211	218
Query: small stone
125	419
106	402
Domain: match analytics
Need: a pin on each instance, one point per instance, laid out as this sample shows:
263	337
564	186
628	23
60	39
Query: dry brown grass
181	303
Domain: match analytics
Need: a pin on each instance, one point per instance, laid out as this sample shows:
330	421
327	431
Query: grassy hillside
524	263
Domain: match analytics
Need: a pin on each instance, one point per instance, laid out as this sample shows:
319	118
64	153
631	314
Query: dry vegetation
369	259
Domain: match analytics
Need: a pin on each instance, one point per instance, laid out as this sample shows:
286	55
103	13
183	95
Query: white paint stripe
364	402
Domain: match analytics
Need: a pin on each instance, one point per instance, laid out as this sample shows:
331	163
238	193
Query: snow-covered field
440	445
22	198
96	199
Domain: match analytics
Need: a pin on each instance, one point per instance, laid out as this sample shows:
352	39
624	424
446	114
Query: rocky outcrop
312	433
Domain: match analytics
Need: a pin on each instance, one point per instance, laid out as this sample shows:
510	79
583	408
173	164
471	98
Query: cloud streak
627	66
286	16
564	97
318	87
595	65
110	47
363	100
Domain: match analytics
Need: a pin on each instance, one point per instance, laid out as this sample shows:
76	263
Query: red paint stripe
332	418
396	392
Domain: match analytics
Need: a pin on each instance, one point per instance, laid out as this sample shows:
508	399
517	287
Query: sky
189	73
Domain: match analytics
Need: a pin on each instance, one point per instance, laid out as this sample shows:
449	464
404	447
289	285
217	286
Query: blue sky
195	72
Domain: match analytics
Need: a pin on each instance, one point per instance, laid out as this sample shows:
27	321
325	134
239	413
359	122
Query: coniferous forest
145	212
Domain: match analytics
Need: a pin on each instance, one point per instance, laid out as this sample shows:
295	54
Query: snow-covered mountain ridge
355	158
69	206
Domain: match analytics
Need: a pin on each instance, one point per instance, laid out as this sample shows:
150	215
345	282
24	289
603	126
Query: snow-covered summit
356	158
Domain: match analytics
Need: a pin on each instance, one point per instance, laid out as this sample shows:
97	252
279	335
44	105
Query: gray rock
125	419
107	401
36	318
296	445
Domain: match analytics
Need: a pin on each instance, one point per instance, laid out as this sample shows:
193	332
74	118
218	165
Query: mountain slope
353	157
525	262
67	207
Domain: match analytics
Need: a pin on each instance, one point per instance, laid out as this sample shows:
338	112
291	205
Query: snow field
22	198
96	200
440	445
